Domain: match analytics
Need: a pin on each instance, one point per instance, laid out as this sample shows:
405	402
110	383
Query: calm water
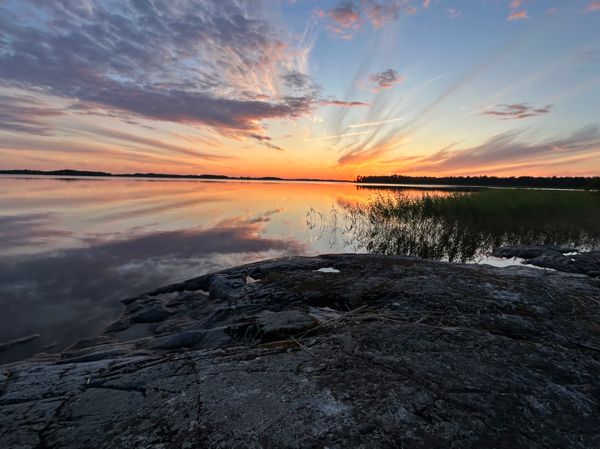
71	249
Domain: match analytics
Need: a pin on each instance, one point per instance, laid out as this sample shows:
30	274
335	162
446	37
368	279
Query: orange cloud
518	15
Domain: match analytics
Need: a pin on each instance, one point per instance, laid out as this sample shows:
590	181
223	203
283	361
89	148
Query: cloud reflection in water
73	293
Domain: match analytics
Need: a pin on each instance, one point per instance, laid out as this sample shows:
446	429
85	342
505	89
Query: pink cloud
517	111
552	11
347	104
453	12
518	15
593	6
516	3
345	17
411	10
426	3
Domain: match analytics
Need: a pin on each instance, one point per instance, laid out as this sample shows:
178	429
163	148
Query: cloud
375	123
510	150
345	16
426	3
453	13
297	80
552	11
198	62
593	6
275	147
341	135
24	115
516	111
516	3
347	104
349	16
261	138
382	80
518	15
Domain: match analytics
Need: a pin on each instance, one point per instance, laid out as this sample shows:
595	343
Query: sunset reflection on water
73	248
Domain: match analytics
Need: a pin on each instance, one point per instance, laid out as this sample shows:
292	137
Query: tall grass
459	226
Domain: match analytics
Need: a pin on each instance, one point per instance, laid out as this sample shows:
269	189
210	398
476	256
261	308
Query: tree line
567	182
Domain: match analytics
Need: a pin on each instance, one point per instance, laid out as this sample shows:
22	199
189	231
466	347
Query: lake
73	248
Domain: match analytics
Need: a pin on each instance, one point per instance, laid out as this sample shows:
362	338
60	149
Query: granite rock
389	352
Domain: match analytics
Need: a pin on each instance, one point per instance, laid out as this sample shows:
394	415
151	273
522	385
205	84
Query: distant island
577	182
567	182
84	173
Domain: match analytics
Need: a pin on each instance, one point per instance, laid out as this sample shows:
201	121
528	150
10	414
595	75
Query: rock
222	286
21	341
547	256
184	340
279	326
529	252
593	274
366	428
152	315
407	353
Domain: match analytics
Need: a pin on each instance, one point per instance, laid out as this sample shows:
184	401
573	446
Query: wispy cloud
347	104
518	15
341	135
375	123
516	111
453	12
25	114
511	150
215	64
593	6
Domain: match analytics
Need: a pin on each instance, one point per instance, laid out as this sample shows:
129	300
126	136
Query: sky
301	89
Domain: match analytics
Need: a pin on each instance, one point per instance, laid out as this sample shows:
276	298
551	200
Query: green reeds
459	226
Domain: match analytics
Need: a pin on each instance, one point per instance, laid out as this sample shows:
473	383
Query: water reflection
70	251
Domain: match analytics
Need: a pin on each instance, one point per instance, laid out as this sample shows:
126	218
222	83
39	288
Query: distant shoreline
95	174
570	183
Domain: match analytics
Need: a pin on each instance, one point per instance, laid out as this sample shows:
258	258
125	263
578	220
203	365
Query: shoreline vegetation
577	182
568	182
461	226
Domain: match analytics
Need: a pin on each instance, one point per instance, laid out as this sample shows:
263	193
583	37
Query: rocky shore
334	351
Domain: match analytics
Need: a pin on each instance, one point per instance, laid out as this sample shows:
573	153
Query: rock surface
389	352
569	260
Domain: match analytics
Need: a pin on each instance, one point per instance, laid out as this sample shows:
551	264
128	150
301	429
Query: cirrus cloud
516	111
198	62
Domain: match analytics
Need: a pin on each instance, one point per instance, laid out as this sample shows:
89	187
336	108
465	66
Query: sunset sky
319	89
